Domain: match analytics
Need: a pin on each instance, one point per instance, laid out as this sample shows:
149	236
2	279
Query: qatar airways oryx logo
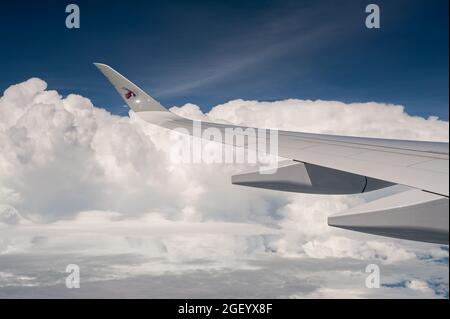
225	145
128	93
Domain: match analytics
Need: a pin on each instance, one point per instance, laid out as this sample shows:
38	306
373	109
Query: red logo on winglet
129	94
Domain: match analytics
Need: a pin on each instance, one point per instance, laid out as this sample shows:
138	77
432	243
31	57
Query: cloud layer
77	181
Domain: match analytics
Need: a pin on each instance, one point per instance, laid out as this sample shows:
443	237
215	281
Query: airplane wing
330	164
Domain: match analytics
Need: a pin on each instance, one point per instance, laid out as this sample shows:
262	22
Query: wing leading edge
422	166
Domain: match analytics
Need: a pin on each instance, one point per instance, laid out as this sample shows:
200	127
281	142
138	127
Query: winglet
136	98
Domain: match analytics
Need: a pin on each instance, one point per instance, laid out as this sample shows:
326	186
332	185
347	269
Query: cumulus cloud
75	179
361	119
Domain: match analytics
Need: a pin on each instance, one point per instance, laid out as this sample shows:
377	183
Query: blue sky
210	52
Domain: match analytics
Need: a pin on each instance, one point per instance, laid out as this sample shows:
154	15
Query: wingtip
99	65
129	91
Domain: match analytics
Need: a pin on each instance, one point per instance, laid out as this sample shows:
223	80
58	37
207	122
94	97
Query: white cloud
360	119
76	179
